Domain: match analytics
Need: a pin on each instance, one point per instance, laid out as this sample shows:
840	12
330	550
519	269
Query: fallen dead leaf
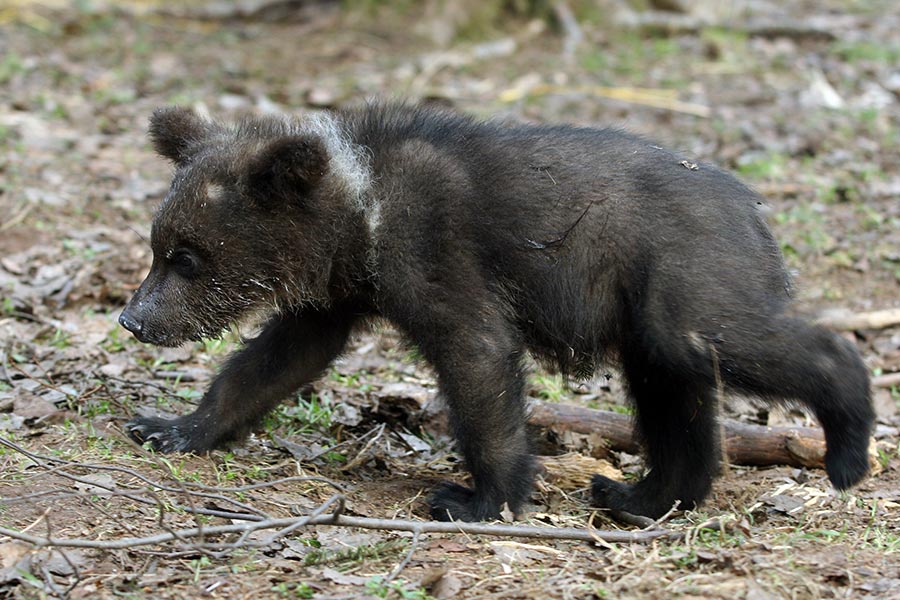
448	586
342	578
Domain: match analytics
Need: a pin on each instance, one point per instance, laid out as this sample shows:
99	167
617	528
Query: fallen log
848	321
745	444
668	24
887	380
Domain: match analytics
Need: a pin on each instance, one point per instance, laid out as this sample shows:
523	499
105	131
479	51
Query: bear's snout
133	324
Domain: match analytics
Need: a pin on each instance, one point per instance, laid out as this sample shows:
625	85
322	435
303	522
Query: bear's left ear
286	169
178	133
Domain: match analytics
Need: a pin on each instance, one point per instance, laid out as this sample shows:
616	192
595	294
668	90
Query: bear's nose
130	323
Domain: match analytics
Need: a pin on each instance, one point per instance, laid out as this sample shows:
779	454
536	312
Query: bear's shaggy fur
481	242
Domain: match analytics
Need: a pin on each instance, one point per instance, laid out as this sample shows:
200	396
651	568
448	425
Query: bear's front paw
164	435
454	502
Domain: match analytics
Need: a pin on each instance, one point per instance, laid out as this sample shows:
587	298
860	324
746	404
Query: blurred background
801	99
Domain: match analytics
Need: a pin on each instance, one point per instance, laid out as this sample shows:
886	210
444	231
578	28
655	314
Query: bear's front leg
478	361
483	388
293	349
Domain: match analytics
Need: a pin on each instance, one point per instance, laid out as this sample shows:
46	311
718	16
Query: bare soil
809	113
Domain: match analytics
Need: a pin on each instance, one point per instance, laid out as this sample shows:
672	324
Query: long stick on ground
329	512
849	321
887	380
339	520
745	444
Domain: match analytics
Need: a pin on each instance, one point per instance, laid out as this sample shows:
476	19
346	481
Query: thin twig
573	33
48	577
490	529
50	583
42	460
30	377
413	546
135	494
350	440
167	389
666	516
131	494
39	519
360	456
200	538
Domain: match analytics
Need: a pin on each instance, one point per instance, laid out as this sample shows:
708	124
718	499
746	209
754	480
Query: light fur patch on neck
215	192
350	164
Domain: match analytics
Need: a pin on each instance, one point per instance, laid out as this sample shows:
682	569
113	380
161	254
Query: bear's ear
177	132
286	169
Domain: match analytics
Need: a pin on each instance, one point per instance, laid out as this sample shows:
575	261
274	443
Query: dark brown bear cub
481	242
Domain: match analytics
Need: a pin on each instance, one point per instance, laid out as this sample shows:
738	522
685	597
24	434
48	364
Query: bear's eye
185	263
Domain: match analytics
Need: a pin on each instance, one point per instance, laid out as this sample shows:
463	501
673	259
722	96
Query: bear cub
481	241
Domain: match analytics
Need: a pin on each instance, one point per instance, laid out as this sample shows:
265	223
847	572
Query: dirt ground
803	102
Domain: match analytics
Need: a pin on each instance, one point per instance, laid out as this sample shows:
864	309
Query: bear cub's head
249	224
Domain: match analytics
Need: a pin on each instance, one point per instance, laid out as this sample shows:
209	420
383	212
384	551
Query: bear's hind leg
790	359
676	421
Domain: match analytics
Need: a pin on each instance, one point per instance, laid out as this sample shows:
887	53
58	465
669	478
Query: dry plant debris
801	99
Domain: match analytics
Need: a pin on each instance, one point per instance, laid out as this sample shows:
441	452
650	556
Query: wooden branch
666	23
842	320
290	524
657	98
329	512
746	444
888	380
572	30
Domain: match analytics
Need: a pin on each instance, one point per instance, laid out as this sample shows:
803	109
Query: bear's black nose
130	323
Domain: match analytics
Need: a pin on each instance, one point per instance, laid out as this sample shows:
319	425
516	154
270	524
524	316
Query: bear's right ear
177	132
286	169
